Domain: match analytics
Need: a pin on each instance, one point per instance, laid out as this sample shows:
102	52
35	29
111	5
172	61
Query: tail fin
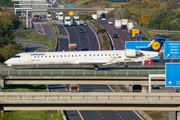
157	43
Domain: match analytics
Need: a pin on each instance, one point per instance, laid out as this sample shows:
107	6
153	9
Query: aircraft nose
7	62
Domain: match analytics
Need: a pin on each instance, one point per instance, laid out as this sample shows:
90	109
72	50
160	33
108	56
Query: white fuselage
78	57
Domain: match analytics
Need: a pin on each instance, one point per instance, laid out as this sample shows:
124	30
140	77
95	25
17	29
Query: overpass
90	101
63	9
132	77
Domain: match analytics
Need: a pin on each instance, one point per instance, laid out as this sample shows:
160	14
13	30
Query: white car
110	22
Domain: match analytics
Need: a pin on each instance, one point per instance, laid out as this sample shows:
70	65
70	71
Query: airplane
90	57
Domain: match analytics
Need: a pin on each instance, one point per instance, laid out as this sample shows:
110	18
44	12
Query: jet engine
132	53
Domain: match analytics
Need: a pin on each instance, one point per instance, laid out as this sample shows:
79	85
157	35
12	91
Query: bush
101	31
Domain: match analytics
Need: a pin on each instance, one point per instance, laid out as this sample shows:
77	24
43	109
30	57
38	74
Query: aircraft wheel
96	68
14	68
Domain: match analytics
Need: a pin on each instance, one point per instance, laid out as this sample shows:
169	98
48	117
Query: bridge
90	101
132	77
61	9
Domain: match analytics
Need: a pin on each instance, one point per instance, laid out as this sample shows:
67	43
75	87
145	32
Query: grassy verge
25	88
156	115
34	115
33	36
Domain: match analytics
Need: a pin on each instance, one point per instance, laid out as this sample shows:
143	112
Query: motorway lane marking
80	115
110	87
111	40
78	37
138	115
42	29
96	37
66	31
88	39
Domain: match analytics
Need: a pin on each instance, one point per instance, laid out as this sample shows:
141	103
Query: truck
124	23
94	16
130	26
60	16
134	31
138	37
76	20
36	18
49	16
72	46
67	21
73	87
55	3
117	24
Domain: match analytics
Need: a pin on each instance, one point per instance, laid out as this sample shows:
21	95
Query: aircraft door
26	58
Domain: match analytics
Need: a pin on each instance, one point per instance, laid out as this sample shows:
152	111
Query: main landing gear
96	68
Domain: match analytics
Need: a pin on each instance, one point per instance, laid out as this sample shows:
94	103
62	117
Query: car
110	22
85	23
115	35
149	62
155	86
81	30
85	49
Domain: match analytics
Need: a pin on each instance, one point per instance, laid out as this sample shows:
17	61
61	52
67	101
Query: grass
157	115
25	88
35	115
33	36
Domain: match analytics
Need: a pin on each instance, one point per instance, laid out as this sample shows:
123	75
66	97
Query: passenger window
34	56
38	56
90	55
101	54
64	55
49	56
113	54
85	55
57	55
79	55
97	54
46	56
116	54
53	56
94	54
75	55
105	54
109	54
61	55
41	56
72	55
68	55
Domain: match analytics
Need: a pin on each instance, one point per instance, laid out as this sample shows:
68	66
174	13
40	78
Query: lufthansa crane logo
155	45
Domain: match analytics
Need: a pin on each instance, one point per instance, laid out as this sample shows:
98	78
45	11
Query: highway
87	39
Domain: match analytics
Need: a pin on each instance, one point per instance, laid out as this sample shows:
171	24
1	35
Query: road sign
70	5
172	50
172	75
137	45
70	12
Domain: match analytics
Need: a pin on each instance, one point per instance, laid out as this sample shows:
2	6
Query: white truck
130	26
60	16
76	20
67	21
124	23
117	24
49	16
94	16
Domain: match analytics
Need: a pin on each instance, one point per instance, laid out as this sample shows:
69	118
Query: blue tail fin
157	43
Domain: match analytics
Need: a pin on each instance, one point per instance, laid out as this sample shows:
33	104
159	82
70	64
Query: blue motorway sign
137	45
172	75
172	50
70	5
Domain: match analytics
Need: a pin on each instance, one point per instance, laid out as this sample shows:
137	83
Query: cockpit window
16	56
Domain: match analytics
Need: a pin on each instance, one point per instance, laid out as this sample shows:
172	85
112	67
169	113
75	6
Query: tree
144	21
